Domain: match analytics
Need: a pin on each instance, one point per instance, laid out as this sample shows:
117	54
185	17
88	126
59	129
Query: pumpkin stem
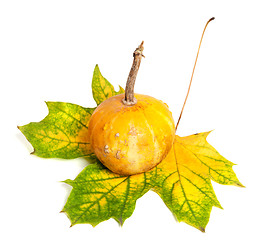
129	99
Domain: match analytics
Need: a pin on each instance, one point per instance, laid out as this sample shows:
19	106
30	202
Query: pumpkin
129	133
131	139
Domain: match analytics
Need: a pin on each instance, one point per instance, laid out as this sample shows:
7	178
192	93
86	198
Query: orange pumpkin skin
131	139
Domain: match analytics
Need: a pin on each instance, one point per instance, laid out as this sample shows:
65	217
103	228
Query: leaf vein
87	209
77	120
183	192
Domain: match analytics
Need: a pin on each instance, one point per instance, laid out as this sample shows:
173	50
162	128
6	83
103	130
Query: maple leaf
182	179
184	183
99	194
101	88
62	133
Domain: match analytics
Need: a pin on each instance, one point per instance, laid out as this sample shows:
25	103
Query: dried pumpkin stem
130	99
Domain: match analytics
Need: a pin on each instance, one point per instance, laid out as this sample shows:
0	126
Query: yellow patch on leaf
184	179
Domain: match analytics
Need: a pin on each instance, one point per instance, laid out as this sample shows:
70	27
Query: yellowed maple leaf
184	179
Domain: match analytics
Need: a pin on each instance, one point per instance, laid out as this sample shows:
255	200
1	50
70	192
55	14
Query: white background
48	50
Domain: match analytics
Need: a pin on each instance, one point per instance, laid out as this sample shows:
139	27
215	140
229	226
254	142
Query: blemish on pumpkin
133	131
117	135
106	149
105	126
118	154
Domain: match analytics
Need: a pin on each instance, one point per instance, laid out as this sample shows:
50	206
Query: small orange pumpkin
131	139
131	134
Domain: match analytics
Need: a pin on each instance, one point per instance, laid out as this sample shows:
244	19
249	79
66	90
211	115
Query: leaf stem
129	99
193	72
